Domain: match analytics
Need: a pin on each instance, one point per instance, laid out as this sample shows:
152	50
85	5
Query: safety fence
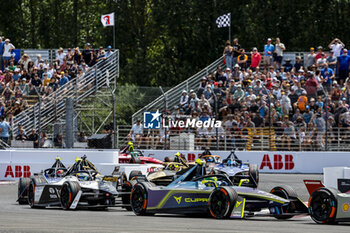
240	138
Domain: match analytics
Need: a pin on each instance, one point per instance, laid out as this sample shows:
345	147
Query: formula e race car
173	168
129	155
81	186
213	195
329	205
233	167
53	174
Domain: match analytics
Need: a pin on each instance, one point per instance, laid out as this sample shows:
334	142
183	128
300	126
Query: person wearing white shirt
136	132
60	55
336	46
8	47
37	61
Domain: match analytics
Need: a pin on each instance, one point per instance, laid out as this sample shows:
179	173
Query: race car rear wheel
254	174
68	192
139	197
323	205
222	200
285	192
23	185
134	173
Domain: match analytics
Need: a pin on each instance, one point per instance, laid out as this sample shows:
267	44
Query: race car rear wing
312	185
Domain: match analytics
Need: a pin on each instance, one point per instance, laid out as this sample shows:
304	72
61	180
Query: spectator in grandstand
63	79
321	62
8	47
236	51
278	53
4	130
109	51
242	59
310	59
332	61
336	46
60	56
268	50
343	66
38	60
228	54
21	136
136	133
2	43
58	141
255	59
311	86
299	65
34	137
82	137
320	53
87	54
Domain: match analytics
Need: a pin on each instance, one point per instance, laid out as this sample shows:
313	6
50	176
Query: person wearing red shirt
320	53
311	86
255	59
268	84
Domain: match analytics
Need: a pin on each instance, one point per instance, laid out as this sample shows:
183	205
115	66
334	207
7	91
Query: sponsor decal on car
188	199
346	207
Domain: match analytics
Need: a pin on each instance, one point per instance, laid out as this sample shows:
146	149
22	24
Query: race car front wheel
222	200
323	205
139	197
285	192
69	191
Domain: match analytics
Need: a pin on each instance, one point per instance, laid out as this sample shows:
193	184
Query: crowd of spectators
296	99
301	100
30	76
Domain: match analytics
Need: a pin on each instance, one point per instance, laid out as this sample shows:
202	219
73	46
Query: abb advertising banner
273	161
22	163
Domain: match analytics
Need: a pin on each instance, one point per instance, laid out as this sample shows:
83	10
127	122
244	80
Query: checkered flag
224	20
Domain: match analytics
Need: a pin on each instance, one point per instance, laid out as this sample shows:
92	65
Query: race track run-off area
21	218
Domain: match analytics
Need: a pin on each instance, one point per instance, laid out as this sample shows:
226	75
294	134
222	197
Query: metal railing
173	95
254	139
53	106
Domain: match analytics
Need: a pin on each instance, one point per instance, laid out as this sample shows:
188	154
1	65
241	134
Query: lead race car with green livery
213	195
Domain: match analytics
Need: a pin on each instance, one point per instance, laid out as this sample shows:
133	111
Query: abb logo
18	171
278	162
191	157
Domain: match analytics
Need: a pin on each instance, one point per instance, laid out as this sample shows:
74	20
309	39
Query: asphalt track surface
21	218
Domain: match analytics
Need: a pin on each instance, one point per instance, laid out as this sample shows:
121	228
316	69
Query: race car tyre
126	189
134	160
254	175
134	173
23	185
31	192
139	198
285	192
222	200
68	193
323	205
